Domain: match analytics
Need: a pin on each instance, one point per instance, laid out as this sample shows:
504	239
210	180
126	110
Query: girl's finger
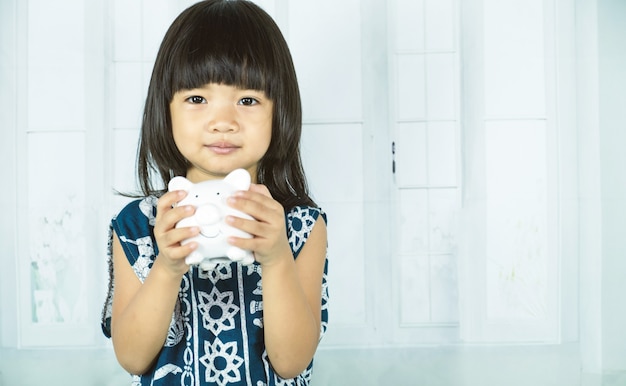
252	227
257	205
168	201
262	189
168	214
174	237
174	215
182	251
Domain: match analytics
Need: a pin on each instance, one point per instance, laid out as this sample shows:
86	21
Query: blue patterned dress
216	333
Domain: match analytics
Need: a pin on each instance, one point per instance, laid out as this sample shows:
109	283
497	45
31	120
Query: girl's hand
269	237
171	253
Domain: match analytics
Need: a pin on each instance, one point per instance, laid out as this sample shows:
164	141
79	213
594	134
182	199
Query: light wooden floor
427	366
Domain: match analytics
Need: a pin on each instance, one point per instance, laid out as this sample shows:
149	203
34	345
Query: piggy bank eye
196	196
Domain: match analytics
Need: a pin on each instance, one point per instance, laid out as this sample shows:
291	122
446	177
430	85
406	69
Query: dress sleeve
300	222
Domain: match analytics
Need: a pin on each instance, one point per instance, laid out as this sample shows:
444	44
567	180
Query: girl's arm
292	292
291	288
142	313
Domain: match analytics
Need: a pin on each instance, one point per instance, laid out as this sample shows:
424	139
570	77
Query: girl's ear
179	183
239	179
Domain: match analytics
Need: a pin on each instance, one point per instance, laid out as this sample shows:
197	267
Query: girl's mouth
222	148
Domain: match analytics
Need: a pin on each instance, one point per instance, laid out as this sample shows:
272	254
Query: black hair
232	42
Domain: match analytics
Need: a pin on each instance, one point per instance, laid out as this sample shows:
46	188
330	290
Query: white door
425	121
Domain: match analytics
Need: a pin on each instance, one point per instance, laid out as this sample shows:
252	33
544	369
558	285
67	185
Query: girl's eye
248	101
196	99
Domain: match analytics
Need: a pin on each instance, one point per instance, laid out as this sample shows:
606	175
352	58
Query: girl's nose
223	119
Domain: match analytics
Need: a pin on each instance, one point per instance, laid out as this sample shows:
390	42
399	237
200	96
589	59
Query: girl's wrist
164	273
284	260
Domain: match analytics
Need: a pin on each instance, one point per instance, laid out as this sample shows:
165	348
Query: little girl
223	95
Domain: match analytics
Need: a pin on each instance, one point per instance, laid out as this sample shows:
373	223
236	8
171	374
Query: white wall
601	58
612	133
72	89
8	196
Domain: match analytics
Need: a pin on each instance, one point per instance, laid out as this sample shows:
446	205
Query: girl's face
219	128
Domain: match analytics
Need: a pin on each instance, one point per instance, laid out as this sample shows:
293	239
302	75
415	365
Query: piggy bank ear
238	179
179	183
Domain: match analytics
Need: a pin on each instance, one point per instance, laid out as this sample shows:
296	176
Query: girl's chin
195	174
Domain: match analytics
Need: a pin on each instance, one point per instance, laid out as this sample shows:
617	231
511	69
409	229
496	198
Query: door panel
426	199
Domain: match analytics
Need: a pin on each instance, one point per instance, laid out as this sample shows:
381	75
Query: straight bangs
223	48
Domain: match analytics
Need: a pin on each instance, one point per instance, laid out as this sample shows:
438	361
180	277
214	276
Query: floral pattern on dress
216	332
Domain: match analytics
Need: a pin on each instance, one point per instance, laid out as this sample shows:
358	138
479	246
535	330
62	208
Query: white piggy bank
209	199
